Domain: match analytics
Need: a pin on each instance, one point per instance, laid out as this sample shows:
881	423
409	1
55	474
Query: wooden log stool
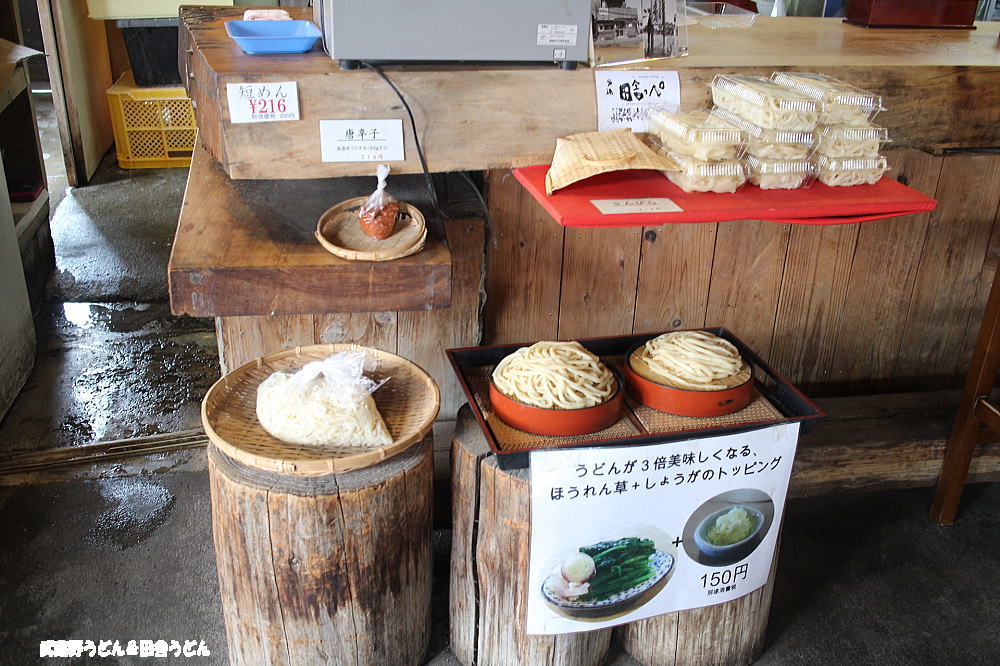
318	565
491	534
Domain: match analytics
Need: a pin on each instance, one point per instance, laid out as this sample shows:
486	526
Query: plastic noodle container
764	102
696	133
771	144
700	176
840	102
855	171
779	174
844	141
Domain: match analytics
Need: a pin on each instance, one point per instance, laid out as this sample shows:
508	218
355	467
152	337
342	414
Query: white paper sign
361	140
262	102
648	517
550	34
624	96
626	206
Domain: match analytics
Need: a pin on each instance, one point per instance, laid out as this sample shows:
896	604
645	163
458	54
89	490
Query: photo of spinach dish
618	566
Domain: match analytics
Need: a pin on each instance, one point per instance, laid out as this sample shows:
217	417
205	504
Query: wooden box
912	13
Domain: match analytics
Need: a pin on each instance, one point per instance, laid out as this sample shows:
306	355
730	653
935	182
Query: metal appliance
397	31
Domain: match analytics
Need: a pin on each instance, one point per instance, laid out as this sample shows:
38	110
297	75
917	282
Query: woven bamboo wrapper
339	232
409	403
653	422
580	156
760	410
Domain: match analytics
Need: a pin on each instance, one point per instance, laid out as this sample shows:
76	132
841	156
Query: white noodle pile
326	403
722	183
693	360
554	375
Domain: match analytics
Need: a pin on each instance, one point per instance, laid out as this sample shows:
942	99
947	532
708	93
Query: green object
731	527
619	565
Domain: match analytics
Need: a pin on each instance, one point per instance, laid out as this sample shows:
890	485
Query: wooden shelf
247	248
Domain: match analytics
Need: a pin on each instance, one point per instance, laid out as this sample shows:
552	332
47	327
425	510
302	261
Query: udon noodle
692	360
555	375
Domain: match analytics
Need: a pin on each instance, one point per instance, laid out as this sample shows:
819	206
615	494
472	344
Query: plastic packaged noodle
764	102
700	176
771	144
840	102
696	133
779	174
857	171
843	141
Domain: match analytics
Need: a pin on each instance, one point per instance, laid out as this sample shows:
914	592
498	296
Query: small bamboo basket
339	232
409	403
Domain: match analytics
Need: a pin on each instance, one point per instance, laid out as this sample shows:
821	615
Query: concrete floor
862	578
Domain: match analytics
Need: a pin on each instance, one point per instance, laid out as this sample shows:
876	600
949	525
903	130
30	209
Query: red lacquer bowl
684	402
558	422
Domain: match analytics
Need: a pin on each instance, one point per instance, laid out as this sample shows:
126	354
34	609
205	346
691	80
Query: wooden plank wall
884	306
420	336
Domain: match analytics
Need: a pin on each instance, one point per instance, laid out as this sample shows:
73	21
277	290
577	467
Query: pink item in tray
266	15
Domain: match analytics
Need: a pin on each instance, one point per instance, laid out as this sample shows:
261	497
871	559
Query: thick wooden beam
938	86
248	249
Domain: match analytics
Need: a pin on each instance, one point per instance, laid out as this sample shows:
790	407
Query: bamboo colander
409	403
339	232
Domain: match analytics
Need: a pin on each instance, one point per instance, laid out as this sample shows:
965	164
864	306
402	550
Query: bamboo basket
409	403
339	232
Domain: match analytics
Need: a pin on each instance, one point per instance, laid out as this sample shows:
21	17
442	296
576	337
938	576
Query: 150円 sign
623	533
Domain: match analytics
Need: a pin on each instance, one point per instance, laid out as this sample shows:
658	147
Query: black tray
782	395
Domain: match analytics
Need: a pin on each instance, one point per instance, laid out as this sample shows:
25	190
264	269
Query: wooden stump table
332	569
491	534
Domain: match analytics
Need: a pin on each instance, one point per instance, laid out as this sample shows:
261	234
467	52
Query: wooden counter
852	310
940	87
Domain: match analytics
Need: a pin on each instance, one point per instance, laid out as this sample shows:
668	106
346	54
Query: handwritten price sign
262	102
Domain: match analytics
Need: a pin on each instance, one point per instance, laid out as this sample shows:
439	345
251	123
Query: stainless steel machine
503	31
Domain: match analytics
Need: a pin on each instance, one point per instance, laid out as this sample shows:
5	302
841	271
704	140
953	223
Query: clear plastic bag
378	214
326	403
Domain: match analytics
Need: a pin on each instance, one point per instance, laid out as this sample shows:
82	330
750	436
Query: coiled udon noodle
692	360
555	375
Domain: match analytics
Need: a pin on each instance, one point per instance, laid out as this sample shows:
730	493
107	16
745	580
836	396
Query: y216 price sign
262	102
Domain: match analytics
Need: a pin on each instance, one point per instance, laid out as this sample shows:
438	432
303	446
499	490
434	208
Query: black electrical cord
416	140
490	237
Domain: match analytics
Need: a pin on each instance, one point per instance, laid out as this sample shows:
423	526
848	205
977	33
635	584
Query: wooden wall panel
523	269
883	273
986	277
813	298
599	285
372	329
425	334
242	339
945	292
746	279
675	271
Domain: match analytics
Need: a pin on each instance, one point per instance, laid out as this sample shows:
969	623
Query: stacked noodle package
847	143
780	123
706	149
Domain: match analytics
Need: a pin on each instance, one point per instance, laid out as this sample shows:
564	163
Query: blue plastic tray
273	36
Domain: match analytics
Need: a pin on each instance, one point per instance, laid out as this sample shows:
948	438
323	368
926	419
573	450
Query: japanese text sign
623	533
361	140
623	97
262	102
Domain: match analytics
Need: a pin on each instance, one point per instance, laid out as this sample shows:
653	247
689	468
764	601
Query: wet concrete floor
108	371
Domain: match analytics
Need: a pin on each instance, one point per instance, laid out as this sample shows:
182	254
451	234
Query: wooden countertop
940	87
242	249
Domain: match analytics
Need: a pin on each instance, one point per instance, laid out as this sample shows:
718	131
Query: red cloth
816	204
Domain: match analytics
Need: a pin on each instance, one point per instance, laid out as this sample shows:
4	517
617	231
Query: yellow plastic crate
154	127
